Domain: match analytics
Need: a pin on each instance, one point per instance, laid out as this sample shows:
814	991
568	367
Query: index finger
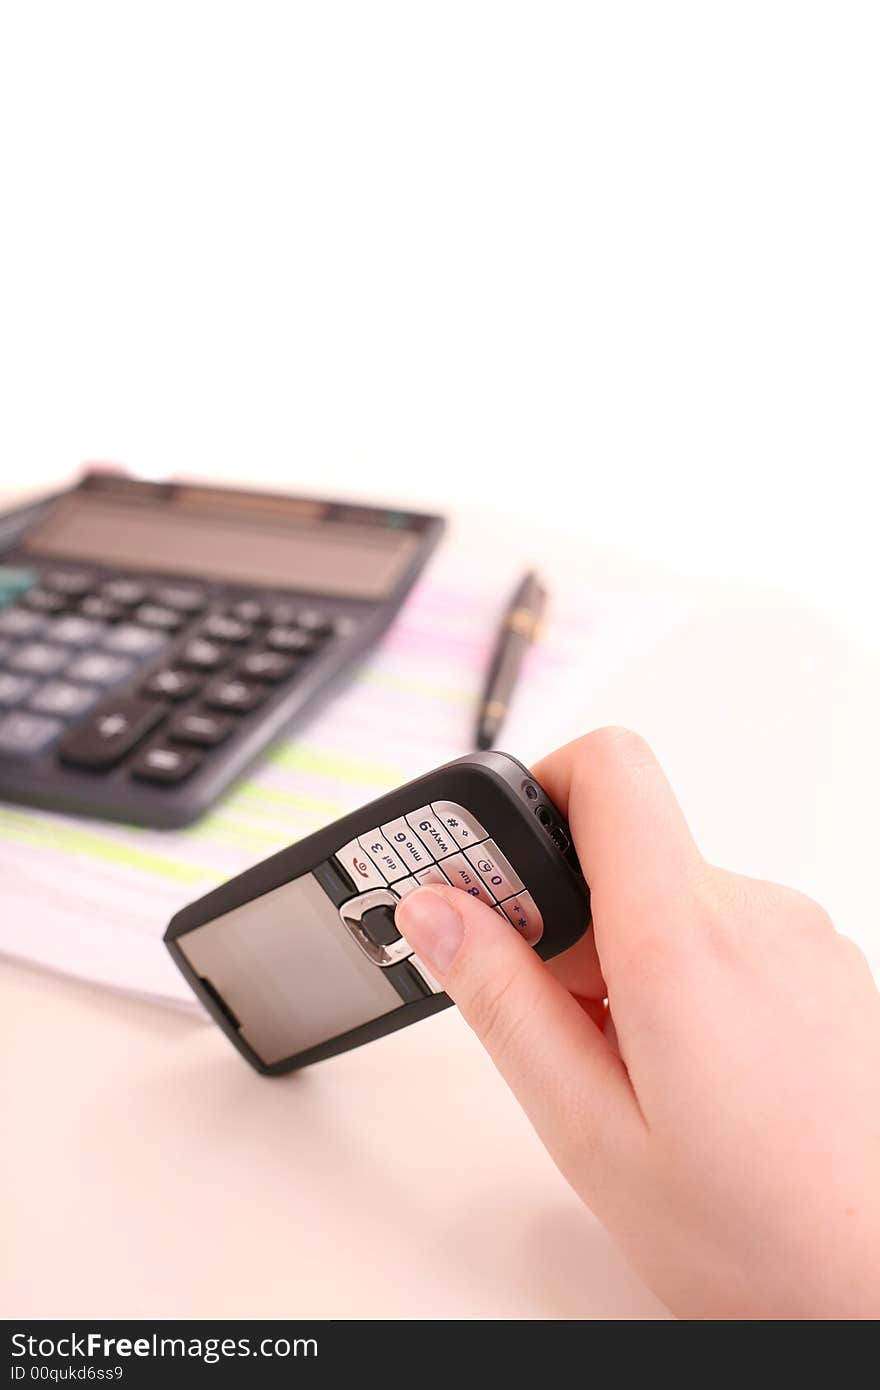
632	839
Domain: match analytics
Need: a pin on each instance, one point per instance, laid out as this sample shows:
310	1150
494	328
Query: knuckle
616	744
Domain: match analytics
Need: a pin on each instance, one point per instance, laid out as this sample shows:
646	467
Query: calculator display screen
252	543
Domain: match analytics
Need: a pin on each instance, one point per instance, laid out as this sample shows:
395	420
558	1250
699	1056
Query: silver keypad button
433	874
407	844
462	874
494	870
386	859
405	885
432	833
464	828
359	866
523	913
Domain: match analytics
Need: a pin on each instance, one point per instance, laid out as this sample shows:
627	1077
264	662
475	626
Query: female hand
721	1115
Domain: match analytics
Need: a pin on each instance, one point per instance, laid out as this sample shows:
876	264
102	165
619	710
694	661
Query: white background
607	270
611	264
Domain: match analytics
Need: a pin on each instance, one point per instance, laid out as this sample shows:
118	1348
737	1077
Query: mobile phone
298	958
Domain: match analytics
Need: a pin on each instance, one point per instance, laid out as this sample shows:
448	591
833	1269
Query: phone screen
286	964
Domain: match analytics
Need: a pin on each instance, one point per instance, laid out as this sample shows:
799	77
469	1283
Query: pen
516	632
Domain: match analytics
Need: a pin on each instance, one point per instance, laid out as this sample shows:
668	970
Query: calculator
156	637
299	957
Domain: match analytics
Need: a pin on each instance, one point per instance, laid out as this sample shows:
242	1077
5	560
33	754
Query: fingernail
432	926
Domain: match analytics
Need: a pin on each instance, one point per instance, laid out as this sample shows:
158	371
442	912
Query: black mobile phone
298	958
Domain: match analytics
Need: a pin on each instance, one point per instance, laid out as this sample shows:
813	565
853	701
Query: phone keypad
359	867
407	844
438	844
522	912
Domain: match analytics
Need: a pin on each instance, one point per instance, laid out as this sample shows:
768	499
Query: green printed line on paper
69	839
414	686
298	758
273	800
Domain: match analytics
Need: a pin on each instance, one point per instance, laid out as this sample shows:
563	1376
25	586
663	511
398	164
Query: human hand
721	1115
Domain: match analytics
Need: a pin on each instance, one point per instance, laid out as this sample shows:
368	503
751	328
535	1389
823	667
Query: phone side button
359	867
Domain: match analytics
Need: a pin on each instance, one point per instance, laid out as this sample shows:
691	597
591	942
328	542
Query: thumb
563	1071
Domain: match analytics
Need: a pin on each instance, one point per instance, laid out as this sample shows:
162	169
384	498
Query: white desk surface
146	1172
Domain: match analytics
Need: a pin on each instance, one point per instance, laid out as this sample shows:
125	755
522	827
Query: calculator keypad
419	848
121	674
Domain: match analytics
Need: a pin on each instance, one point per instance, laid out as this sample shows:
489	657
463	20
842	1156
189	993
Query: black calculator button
378	924
124	591
100	668
132	640
155	615
172	684
236	695
22	734
44	601
73	630
63	699
38	658
101	608
205	656
190	726
18	622
161	764
221	628
318	624
247	610
110	731
185	600
73	583
284	614
290	639
14	689
265	666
